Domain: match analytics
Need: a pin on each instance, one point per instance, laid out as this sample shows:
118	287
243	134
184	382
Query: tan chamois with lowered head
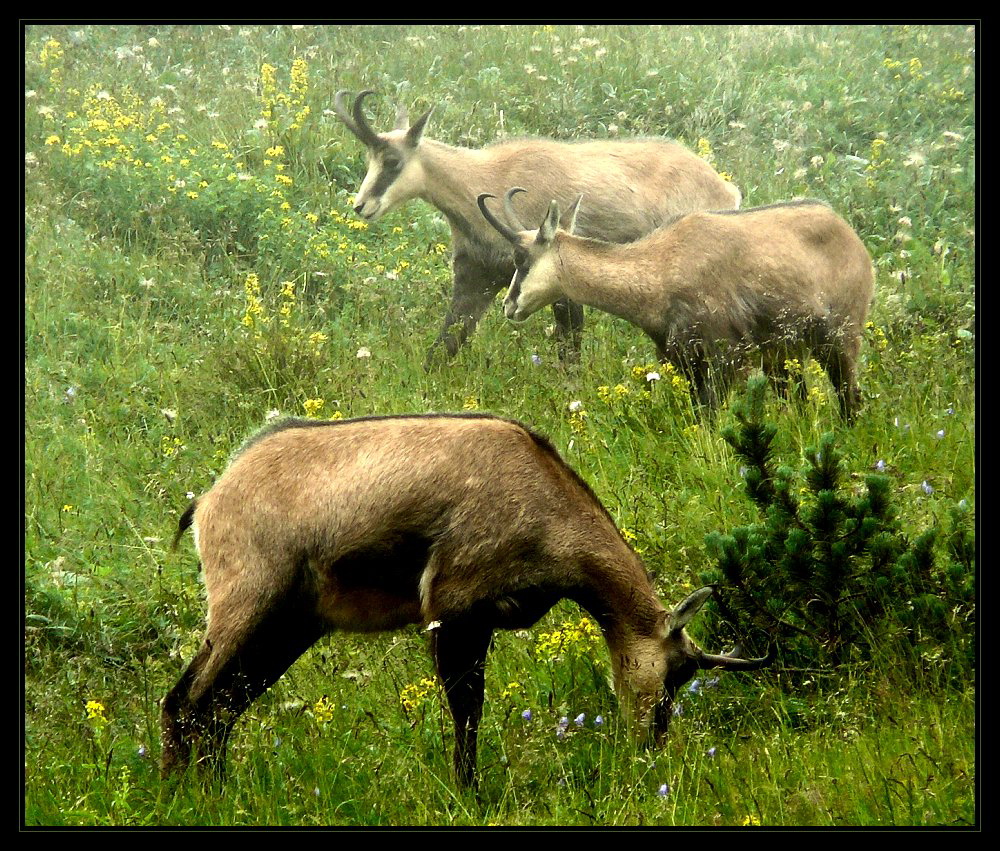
711	288
632	186
462	523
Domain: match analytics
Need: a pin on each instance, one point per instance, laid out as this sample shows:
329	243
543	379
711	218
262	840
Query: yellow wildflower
323	710
95	712
578	638
413	695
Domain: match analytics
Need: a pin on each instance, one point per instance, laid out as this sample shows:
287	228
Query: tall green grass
161	329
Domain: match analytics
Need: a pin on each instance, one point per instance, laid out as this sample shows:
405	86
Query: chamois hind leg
250	643
840	366
460	648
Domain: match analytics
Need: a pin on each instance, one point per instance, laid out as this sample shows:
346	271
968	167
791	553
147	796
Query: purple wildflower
678	710
926	488
939	434
536	360
710	752
561	727
599	721
526	715
580	719
880	465
695	687
664	790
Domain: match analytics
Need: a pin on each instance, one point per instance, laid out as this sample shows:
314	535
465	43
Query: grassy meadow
192	266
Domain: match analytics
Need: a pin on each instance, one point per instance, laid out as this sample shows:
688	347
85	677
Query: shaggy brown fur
461	523
716	289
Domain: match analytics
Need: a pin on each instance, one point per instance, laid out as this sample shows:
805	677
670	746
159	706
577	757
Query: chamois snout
511	309
368	207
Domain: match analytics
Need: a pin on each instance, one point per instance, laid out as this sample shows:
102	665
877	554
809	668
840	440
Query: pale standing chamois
463	523
711	288
632	188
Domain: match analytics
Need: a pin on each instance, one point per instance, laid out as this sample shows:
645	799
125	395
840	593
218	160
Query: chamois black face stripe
514	293
391	165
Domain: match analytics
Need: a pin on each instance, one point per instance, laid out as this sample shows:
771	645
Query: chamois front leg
460	648
473	291
569	327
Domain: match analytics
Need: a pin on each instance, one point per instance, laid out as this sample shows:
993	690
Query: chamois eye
521	259
391	162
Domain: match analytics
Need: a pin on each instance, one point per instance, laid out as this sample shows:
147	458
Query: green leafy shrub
828	574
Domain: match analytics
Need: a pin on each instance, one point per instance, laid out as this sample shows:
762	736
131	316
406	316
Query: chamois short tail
187	518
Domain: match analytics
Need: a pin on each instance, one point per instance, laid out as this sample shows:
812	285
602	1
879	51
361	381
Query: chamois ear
416	130
688	608
568	220
547	231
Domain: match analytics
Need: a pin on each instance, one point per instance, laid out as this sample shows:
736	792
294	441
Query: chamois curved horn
356	122
736	663
500	227
508	207
366	134
341	111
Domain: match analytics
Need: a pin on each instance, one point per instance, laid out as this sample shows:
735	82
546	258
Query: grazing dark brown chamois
633	187
461	523
712	289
